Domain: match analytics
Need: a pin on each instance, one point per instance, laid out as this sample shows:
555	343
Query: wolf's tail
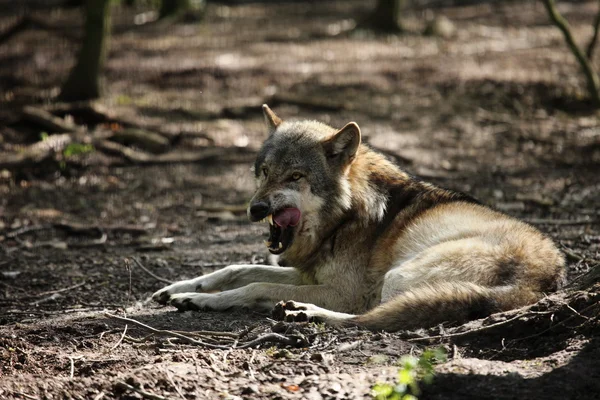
433	304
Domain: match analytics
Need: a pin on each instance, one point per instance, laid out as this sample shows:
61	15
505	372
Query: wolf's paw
292	311
190	301
163	295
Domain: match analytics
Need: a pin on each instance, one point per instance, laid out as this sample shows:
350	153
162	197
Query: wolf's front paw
163	295
292	311
191	301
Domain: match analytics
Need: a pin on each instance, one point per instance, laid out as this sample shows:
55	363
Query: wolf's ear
272	120
344	144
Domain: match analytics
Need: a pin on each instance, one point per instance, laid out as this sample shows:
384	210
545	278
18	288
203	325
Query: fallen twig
120	339
144	158
62	290
163	332
47	121
72	371
544	221
349	346
571	255
468	332
214	333
293	341
89	229
37	152
170	376
51	293
74	228
577	314
152	274
243	333
91	243
143	393
63	311
25	229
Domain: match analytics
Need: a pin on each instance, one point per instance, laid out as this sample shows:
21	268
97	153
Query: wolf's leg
453	302
262	296
231	277
420	307
301	312
473	259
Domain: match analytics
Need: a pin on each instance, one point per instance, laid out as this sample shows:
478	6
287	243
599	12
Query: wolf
366	244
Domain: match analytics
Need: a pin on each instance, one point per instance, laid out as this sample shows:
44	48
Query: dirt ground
496	110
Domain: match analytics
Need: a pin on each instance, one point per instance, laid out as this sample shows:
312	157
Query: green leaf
428	378
395	396
74	149
382	391
406	377
409	362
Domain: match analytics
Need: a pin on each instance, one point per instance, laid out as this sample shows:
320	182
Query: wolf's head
301	173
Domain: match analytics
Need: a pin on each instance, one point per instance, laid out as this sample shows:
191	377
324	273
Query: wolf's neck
369	180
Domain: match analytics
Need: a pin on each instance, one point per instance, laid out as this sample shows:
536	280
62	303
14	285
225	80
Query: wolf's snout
259	210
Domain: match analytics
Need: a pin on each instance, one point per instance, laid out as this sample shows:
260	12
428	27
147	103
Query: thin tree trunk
173	8
593	83
386	16
590	49
84	81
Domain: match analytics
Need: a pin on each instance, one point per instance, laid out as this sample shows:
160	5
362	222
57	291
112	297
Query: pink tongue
287	217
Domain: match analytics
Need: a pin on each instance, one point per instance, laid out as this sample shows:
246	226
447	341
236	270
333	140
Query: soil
498	110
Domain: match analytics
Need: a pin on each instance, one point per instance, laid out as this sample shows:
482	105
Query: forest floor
496	110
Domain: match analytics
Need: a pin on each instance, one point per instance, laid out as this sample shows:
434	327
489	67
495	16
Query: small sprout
74	149
412	371
124	100
382	391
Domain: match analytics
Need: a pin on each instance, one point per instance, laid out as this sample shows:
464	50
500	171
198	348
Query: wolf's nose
259	211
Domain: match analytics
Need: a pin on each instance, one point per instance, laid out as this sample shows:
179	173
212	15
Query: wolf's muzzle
258	211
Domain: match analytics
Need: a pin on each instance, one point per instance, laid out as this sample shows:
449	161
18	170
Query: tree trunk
386	16
84	79
591	77
173	8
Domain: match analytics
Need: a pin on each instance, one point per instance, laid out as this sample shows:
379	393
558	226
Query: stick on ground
143	393
152	274
168	333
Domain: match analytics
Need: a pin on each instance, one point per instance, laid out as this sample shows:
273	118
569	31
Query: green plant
412	371
124	100
74	149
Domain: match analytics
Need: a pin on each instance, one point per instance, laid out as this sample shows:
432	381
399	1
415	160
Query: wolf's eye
265	172
296	176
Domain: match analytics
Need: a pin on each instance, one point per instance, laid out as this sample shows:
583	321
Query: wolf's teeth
268	243
270	219
280	245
